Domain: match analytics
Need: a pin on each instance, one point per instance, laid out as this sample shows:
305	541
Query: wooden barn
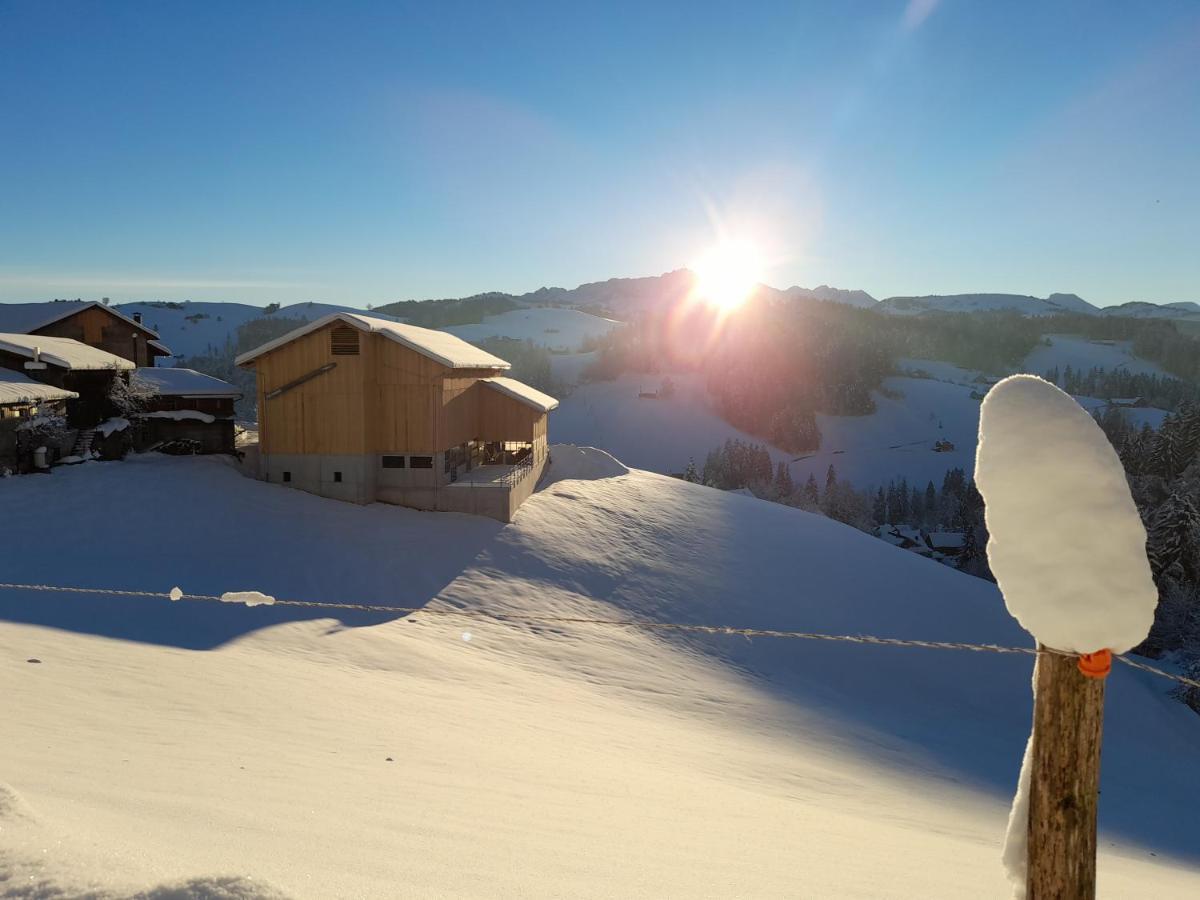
89	323
185	410
364	409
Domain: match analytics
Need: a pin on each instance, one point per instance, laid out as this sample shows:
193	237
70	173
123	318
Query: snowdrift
364	754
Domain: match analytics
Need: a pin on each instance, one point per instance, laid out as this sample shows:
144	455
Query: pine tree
690	473
830	479
783	482
811	494
879	508
1171	534
931	503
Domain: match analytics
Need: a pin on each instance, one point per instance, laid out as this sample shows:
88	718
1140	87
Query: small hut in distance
362	409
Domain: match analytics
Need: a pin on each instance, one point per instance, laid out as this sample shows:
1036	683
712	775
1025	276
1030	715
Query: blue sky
368	152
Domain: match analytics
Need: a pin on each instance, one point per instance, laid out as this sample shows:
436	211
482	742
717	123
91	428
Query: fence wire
645	624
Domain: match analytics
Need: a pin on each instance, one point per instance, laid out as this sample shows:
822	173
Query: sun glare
728	273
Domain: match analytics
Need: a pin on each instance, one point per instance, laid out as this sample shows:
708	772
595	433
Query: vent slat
343	341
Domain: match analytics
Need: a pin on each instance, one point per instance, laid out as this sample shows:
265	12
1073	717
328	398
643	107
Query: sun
728	273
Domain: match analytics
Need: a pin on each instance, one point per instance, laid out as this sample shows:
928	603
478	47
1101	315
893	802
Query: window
343	341
337	477
421	462
393	462
287	476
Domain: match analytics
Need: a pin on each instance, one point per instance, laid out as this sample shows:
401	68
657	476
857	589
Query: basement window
421	462
337	477
343	341
287	476
393	462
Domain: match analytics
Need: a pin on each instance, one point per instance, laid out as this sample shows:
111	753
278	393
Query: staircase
83	443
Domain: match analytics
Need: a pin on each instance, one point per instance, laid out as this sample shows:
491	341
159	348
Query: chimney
137	317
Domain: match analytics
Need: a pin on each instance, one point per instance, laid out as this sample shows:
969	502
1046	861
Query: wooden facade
366	399
98	326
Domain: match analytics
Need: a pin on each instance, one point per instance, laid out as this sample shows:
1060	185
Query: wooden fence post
1068	717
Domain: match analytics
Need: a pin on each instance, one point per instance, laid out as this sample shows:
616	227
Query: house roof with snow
521	392
18	388
452	352
947	540
65	353
28	317
167	382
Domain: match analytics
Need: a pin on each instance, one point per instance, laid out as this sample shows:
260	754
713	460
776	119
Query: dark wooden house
185	410
89	323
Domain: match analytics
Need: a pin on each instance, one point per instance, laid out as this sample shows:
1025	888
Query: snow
168	382
1066	544
180	415
450	351
197	328
250	598
562	330
19	388
1082	354
27	317
1015	856
521	392
62	352
550	759
1026	305
947	540
175	594
659	435
109	426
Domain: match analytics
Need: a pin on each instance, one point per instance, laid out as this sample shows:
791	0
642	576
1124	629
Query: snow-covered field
1082	354
659	435
275	751
895	441
562	330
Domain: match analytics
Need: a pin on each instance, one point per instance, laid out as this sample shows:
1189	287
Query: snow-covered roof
159	345
65	353
184	383
452	352
17	387
521	392
947	540
26	317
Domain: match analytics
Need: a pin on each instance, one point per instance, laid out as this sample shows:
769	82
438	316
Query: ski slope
1082	354
561	330
186	749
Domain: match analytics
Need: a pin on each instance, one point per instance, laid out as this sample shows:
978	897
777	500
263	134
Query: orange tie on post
1096	665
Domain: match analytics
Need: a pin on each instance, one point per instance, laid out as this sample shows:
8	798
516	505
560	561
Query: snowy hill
194	328
1026	305
278	751
1185	310
560	330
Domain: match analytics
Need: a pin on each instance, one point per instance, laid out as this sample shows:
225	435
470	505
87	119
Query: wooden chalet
89	323
64	363
364	409
23	402
184	410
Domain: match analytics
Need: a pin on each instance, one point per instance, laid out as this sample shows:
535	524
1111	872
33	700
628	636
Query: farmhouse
70	365
89	323
364	409
185	409
24	403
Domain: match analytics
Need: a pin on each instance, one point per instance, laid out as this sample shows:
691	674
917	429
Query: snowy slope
1030	306
196	327
557	329
1082	354
659	435
205	747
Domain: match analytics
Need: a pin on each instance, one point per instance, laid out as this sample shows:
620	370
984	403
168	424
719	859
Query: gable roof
522	392
168	382
17	387
452	352
66	353
28	317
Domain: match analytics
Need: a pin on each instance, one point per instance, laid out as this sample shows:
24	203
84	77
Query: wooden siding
100	328
389	399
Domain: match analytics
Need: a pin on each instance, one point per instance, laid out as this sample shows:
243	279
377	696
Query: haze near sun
728	273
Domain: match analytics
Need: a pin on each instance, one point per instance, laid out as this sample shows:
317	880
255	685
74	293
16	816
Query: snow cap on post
1066	544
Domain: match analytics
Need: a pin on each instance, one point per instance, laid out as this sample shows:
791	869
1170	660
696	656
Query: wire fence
643	624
